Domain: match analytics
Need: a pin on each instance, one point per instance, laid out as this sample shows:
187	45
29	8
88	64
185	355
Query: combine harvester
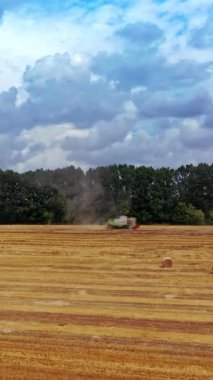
123	222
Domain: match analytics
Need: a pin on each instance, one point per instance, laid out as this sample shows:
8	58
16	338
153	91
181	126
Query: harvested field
90	303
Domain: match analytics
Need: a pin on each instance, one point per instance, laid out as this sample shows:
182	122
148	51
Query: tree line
70	195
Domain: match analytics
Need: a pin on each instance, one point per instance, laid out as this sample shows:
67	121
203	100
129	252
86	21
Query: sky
92	83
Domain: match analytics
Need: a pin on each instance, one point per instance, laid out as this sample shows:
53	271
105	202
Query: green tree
188	214
195	186
141	197
22	202
209	219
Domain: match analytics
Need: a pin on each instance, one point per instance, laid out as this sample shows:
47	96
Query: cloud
142	34
38	147
105	133
208	120
160	104
97	83
142	63
202	36
31	32
172	147
59	91
197	138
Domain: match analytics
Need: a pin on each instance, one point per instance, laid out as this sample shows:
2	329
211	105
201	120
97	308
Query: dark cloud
131	103
208	121
10	150
157	105
8	115
142	34
170	148
197	138
202	37
142	64
105	133
128	70
60	92
140	149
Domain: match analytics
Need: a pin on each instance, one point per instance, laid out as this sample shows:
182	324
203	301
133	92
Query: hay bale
166	262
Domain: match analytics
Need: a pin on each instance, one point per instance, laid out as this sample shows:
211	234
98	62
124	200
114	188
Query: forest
73	196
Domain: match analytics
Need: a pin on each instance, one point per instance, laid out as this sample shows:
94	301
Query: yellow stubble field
89	303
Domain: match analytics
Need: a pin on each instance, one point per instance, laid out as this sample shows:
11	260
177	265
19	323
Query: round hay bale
166	262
